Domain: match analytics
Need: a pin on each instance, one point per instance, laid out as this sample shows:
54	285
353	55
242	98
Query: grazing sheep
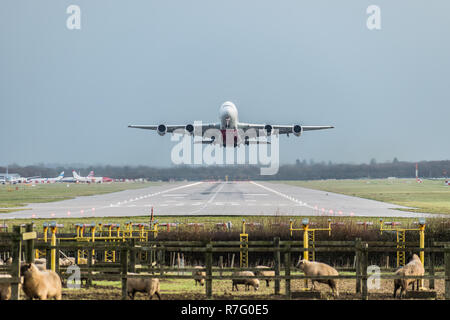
40	284
413	268
313	268
199	276
8	261
5	288
247	282
149	286
265	273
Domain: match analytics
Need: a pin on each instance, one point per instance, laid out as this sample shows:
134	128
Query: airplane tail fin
75	174
61	175
91	174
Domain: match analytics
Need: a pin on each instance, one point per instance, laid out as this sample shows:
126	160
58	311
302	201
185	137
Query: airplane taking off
46	180
229	126
90	178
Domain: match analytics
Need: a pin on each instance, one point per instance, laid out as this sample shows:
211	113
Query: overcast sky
67	96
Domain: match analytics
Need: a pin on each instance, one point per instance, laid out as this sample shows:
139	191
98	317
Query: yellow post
244	244
290	226
305	223
93	238
422	245
53	251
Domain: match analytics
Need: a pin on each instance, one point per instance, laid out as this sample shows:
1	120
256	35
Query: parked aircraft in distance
90	178
46	180
229	126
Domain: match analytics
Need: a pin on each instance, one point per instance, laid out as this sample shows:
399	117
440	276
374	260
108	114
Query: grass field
14	196
430	196
177	289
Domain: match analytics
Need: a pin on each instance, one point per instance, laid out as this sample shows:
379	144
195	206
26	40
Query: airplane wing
282	129
189	128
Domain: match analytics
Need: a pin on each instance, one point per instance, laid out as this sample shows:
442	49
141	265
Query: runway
214	198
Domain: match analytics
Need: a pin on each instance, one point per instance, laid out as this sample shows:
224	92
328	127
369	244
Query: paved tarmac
214	198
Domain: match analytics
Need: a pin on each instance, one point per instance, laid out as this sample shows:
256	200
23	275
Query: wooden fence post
431	262
277	259
29	245
208	260
357	264
124	262
48	253
89	264
364	263
15	267
287	270
133	256
447	271
162	259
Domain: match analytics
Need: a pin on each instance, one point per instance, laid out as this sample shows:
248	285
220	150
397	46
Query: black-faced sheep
40	284
148	285
199	276
413	268
313	268
247	282
265	272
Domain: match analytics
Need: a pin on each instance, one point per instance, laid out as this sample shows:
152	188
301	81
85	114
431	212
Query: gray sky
67	96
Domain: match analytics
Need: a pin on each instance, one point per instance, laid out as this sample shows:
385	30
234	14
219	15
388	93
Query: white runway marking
300	203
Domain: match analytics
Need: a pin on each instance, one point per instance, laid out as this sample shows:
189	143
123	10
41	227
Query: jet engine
162	129
268	129
298	130
189	129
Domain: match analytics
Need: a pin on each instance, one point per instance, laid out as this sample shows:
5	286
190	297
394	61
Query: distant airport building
9	176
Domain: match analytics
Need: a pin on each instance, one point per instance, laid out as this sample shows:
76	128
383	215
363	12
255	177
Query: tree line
301	170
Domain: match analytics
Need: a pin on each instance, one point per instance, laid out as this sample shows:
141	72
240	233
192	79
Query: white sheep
313	268
245	281
40	284
413	268
145	285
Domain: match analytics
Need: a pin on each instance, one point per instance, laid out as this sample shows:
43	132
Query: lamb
40	284
149	286
199	276
5	288
414	267
265	273
247	282
313	268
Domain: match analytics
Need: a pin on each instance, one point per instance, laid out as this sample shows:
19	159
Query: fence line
282	251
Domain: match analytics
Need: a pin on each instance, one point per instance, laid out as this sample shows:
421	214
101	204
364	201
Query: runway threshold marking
160	192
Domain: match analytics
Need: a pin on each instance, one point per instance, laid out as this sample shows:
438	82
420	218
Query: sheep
148	285
199	276
313	268
265	273
414	267
247	282
5	288
40	284
8	261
